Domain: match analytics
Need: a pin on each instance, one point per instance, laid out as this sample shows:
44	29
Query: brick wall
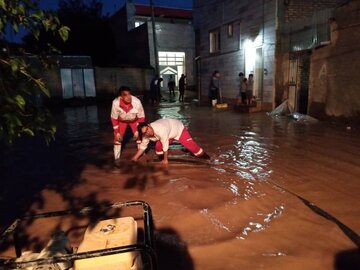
334	85
108	80
296	9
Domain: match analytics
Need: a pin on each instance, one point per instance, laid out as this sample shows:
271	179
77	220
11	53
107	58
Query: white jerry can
109	233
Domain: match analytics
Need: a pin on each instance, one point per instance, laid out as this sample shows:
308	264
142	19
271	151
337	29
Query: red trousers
122	129
186	140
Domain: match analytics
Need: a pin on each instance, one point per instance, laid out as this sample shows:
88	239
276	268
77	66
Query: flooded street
276	194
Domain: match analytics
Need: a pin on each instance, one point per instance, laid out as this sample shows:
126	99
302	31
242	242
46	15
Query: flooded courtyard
276	194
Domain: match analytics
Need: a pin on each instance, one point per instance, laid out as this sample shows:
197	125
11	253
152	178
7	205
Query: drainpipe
154	38
198	74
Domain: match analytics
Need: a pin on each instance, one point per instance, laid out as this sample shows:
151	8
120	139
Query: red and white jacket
165	129
123	113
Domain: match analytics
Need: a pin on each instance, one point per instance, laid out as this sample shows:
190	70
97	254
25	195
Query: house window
230	29
171	58
214	40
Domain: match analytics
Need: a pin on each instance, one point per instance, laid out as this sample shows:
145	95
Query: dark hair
139	127
214	73
241	74
124	88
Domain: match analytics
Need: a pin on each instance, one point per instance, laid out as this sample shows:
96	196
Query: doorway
171	63
299	79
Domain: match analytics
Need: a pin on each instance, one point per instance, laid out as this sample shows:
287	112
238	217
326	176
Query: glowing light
250	47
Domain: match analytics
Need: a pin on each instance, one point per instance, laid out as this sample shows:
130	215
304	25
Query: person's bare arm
165	160
138	154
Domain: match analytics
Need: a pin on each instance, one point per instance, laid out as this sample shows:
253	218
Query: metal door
304	68
66	83
78	82
89	82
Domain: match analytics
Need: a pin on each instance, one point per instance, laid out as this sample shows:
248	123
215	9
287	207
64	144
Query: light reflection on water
242	155
171	111
215	220
240	165
231	200
258	226
81	127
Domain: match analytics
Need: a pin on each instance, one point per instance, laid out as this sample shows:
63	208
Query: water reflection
236	204
176	112
81	123
261	225
87	132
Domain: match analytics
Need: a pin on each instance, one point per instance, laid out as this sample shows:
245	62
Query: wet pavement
276	194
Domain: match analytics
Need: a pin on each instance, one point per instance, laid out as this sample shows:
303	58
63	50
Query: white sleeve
114	113
144	143
165	144
141	112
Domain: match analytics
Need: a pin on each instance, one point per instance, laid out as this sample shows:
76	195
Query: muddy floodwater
277	193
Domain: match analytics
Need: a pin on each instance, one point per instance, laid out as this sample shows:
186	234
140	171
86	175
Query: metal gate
77	82
299	81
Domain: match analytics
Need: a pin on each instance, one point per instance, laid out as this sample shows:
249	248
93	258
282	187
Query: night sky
110	6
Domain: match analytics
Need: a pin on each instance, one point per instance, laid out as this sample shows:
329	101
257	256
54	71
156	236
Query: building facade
169	50
272	39
232	37
315	60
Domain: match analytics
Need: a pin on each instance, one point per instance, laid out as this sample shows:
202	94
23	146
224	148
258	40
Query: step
251	108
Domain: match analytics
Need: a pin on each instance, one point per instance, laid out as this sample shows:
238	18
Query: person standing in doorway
154	99
242	92
171	86
250	88
182	85
214	87
163	132
244	86
126	110
158	89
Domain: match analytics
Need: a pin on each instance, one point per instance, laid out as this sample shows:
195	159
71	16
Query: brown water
277	193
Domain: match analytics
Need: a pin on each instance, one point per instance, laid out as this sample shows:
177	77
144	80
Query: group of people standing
155	88
127	111
246	86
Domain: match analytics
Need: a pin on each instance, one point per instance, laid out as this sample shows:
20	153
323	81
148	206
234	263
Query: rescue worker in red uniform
126	110
164	132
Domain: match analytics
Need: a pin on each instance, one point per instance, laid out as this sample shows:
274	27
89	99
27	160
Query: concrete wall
108	80
335	69
132	44
252	20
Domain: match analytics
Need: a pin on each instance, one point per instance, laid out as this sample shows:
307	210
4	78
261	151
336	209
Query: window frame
230	29
215	40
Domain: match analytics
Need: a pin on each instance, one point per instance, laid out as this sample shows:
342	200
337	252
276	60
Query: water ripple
257	226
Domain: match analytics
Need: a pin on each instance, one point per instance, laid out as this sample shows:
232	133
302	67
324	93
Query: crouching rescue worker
164	132
126	110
